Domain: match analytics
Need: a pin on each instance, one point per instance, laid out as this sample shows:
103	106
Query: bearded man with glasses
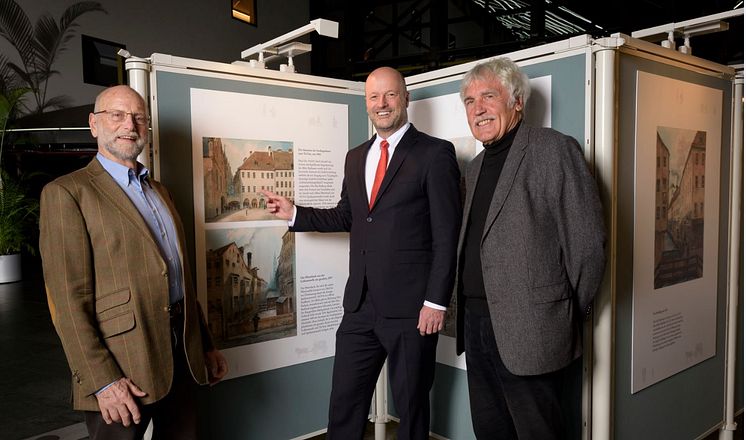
120	291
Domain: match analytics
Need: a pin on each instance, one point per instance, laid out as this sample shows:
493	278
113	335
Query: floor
35	384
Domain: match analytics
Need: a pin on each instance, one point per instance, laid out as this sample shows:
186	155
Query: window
244	10
102	65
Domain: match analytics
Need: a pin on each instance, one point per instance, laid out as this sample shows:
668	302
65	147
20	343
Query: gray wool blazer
542	251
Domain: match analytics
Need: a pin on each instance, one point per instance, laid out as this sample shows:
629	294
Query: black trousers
505	406
174	416
364	340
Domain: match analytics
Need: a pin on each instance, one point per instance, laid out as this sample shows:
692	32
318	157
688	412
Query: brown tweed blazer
107	286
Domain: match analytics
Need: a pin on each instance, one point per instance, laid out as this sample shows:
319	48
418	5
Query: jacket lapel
105	184
361	158
400	153
470	182
507	177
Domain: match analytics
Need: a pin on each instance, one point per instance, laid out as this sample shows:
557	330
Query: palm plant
38	47
10	99
18	215
18	211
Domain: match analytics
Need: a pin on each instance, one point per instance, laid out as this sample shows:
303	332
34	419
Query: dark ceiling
420	35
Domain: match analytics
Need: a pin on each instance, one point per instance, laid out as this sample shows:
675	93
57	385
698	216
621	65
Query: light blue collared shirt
156	215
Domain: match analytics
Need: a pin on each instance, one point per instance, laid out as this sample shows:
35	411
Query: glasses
118	116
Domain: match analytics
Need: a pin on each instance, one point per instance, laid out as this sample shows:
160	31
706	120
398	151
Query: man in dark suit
119	288
531	258
400	202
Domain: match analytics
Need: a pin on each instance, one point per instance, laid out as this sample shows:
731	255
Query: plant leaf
15	27
60	101
19	215
38	47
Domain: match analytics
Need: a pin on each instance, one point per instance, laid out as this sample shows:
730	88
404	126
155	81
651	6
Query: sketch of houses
259	165
264	170
662	190
217	177
243	307
234	291
679	205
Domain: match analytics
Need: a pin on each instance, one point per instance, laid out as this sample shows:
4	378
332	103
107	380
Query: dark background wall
194	29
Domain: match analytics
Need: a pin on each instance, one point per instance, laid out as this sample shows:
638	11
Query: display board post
734	269
599	416
224	133
138	70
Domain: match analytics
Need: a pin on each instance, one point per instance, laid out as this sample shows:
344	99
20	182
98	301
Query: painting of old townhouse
679	205
236	170
250	285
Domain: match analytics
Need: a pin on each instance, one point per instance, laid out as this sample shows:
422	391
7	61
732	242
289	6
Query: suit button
369	219
362	252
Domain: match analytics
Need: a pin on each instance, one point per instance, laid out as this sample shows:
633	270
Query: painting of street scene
250	285
679	205
236	170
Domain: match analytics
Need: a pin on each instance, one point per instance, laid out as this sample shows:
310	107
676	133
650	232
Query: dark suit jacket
542	250
107	286
405	246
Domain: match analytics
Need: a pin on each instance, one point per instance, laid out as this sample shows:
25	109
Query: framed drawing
677	176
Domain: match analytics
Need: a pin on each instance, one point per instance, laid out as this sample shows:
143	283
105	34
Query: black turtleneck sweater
492	165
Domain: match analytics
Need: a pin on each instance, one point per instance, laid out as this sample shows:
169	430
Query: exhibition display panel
656	128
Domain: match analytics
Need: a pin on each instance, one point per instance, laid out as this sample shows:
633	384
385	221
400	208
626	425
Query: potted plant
37	47
18	210
18	214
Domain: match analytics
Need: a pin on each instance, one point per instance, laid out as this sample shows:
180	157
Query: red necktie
380	171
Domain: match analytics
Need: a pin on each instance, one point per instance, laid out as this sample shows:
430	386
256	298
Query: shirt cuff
434	306
104	388
291	222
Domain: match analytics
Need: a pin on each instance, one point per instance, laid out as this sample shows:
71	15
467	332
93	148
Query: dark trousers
505	406
364	340
174	416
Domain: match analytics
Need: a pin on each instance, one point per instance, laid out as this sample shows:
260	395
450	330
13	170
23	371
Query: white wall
201	29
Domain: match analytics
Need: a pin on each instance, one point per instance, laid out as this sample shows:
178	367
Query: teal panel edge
568	92
284	403
449	404
450	414
278	404
175	130
690	402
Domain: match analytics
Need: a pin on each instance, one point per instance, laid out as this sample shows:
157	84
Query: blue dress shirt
156	215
